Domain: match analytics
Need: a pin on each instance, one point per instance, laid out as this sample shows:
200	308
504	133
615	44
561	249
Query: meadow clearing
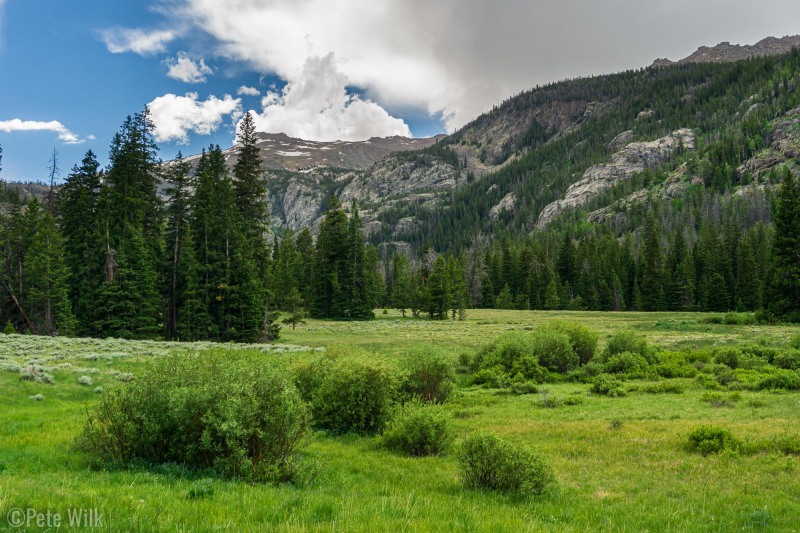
621	463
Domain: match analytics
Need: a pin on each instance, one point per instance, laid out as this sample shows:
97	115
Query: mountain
727	52
574	152
281	152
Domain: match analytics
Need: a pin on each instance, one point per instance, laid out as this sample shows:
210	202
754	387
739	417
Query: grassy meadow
620	463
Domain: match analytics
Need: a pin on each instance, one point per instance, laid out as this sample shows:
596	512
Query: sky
71	71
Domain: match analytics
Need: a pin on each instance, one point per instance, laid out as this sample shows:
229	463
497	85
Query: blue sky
55	66
72	70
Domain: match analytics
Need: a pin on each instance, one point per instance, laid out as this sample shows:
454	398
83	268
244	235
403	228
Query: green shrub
524	387
663	387
739	319
429	374
554	351
492	378
787	359
794	342
356	393
231	411
780	379
489	462
511	353
582	339
608	385
9	328
549	401
419	429
718	399
712	439
574	399
625	363
628	341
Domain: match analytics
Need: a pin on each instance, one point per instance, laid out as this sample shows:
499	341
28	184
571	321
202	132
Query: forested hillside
667	188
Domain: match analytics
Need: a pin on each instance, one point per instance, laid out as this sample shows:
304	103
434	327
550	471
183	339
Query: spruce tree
652	268
331	265
130	233
77	207
178	243
47	293
401	290
785	283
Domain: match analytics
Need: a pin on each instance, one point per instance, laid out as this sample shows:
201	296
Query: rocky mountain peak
726	52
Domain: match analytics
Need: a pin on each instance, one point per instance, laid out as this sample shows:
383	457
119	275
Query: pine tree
438	291
652	268
401	291
294	305
785	284
47	294
77	207
330	266
178	243
130	232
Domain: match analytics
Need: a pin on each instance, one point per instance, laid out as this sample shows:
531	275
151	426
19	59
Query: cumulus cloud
248	91
458	58
315	105
174	117
55	126
136	40
184	68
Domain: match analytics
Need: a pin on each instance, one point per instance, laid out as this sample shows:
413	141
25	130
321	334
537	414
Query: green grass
621	463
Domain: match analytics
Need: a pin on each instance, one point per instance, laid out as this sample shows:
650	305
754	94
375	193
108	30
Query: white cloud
184	68
175	116
248	91
55	126
136	40
461	57
315	105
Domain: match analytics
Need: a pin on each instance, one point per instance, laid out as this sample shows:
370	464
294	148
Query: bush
513	353
8	329
794	342
712	439
608	385
489	462
230	411
787	359
739	319
554	351
549	401
419	429
430	374
574	399
86	381
582	339
627	341
492	378
663	387
355	393
625	363
780	379
524	387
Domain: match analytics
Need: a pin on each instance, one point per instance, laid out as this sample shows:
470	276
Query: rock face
727	52
784	147
508	203
624	164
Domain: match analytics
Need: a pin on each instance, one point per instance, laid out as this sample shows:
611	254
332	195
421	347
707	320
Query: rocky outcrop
727	52
784	148
621	140
507	204
626	163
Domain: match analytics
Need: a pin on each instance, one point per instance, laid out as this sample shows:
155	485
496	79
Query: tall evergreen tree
47	295
785	284
77	207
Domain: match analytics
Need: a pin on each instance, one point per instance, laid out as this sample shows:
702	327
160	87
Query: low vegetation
390	425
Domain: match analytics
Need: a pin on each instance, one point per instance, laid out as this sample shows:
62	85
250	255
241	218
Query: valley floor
621	463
